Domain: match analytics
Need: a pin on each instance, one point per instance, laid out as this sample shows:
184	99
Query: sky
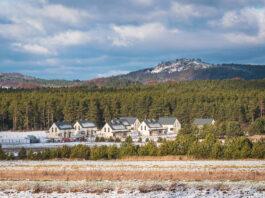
86	39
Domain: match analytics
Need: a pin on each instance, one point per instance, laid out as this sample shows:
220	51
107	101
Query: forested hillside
233	100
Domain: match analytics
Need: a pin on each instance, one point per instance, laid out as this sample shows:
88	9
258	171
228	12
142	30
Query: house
115	128
151	128
202	121
133	121
61	130
170	124
85	128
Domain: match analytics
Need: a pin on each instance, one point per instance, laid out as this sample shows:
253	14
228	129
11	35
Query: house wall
55	132
144	129
79	130
136	125
107	131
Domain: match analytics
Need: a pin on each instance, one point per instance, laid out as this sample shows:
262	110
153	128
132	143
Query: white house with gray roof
61	130
132	123
150	128
170	124
202	121
115	128
85	128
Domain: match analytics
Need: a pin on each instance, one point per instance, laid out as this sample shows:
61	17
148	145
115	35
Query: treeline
223	100
210	148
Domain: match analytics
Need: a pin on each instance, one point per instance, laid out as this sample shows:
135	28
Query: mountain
17	80
178	70
194	69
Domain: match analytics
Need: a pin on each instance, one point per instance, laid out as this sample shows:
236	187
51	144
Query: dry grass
175	158
156	158
122	175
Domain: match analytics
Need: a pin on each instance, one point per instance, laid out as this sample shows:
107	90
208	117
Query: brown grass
157	158
122	175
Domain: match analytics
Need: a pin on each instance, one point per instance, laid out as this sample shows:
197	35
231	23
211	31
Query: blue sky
87	39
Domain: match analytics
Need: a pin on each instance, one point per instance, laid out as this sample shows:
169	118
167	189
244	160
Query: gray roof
202	121
153	124
87	123
64	125
122	121
131	120
117	125
167	120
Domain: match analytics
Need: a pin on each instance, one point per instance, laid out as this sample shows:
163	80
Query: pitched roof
152	124
117	125
64	125
202	121
87	123
167	120
131	120
121	120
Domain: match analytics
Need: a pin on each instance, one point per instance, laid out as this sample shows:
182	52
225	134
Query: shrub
22	153
128	139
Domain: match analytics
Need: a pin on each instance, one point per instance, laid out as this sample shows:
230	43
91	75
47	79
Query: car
66	140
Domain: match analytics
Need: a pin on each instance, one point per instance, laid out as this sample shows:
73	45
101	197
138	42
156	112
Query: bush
233	129
160	140
102	139
257	127
3	155
128	139
140	140
22	153
111	139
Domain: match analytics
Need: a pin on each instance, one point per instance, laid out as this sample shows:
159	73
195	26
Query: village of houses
121	128
86	132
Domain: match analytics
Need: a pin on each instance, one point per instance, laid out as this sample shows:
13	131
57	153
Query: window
108	129
105	130
141	127
69	134
55	129
52	129
78	127
145	128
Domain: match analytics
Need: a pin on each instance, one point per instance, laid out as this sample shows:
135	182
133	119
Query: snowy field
14	135
124	188
132	189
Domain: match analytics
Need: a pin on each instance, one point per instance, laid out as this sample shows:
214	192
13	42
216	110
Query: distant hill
178	70
17	80
194	69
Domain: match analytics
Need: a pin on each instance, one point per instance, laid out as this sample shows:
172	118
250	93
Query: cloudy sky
86	39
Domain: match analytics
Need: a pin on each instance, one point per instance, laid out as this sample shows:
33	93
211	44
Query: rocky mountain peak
180	65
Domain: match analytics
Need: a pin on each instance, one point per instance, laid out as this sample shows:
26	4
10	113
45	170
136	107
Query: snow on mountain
180	65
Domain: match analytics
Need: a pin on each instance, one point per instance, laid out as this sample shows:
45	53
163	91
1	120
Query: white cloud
64	14
112	73
35	49
127	35
69	38
187	11
247	19
142	2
